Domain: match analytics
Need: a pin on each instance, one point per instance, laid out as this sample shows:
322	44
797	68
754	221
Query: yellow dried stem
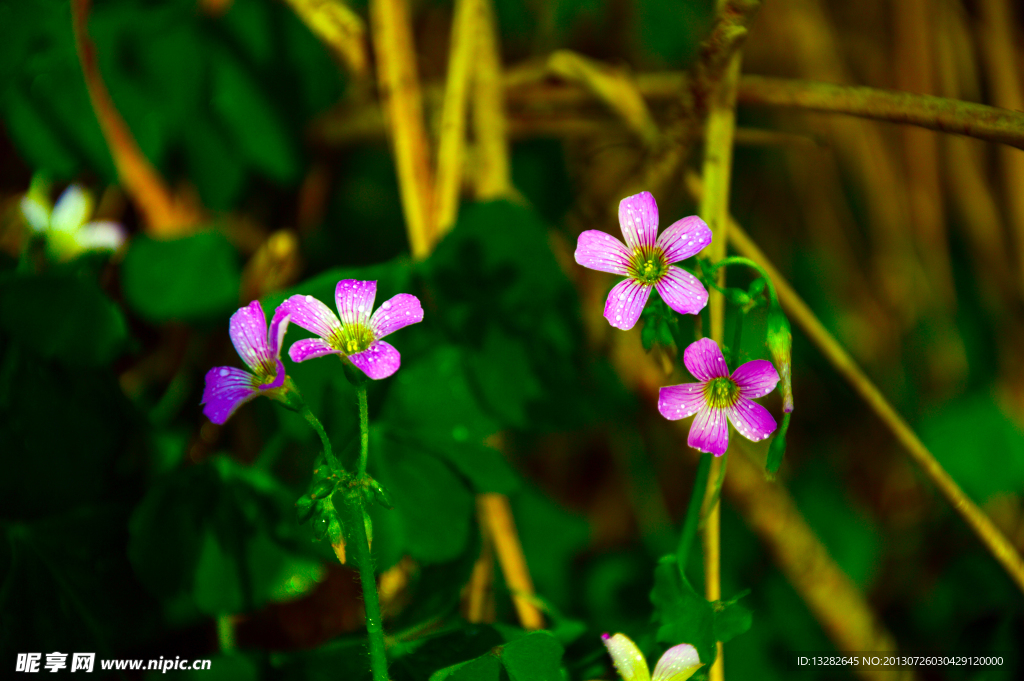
340	29
497	514
980	524
452	143
493	170
401	100
163	214
479	595
613	87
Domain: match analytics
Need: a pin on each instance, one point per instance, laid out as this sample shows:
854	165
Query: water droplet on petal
386	305
224	371
309	299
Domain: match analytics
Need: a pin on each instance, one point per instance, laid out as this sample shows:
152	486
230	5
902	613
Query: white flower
677	664
64	225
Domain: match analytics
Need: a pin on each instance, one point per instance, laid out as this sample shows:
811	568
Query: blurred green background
134	528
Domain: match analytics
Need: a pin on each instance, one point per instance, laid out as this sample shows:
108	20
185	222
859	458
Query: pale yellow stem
340	29
497	513
493	170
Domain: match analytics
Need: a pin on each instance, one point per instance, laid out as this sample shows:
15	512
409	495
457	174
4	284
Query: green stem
364	431
738	260
716	491
737	336
225	633
310	417
358	519
700	484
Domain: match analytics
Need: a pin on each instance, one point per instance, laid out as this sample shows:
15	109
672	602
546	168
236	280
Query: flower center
721	393
647	265
353	338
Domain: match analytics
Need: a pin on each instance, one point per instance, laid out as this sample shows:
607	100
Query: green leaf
731	620
502	371
485	668
534	657
63	317
682	615
191	278
434	505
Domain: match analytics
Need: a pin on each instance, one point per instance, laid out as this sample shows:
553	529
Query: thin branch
493	171
980	523
340	29
497	514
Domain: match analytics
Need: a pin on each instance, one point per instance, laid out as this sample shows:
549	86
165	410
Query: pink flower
677	664
228	388
647	263
720	399
357	335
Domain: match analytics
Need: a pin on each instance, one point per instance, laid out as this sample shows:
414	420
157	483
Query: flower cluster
355	337
718	398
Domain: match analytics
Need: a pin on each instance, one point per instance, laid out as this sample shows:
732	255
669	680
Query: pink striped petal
751	420
310	348
629	661
704	360
678	663
394	313
710	431
602	252
312	315
684	239
248	331
625	303
380	360
226	389
638	218
679	401
354	299
682	291
278	327
756	378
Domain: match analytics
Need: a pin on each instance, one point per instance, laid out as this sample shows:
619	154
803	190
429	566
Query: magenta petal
710	431
310	348
279	376
625	303
679	401
677	664
704	360
682	291
380	360
401	310
227	388
354	299
684	239
751	420
312	315
638	218
602	252
248	330
278	327
756	378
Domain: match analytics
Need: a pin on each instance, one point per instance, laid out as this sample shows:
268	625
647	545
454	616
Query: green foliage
189	278
682	616
534	657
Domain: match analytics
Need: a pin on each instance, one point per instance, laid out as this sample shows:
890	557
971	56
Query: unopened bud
780	345
737	297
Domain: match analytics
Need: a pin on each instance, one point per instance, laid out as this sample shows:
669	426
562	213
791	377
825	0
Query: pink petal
704	360
679	401
602	252
710	431
625	303
638	218
751	420
312	315
310	348
682	291
380	360
684	239
401	310
354	299
278	327
628	659
756	378
678	663
248	330
226	389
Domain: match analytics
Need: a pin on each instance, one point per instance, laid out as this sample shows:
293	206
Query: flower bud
780	344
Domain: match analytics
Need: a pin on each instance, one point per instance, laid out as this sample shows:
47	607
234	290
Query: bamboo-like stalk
998	42
340	29
163	214
980	524
452	144
497	514
402	103
493	170
479	595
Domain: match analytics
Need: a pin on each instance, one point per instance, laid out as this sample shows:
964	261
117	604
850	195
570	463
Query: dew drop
224	371
309	299
386	305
